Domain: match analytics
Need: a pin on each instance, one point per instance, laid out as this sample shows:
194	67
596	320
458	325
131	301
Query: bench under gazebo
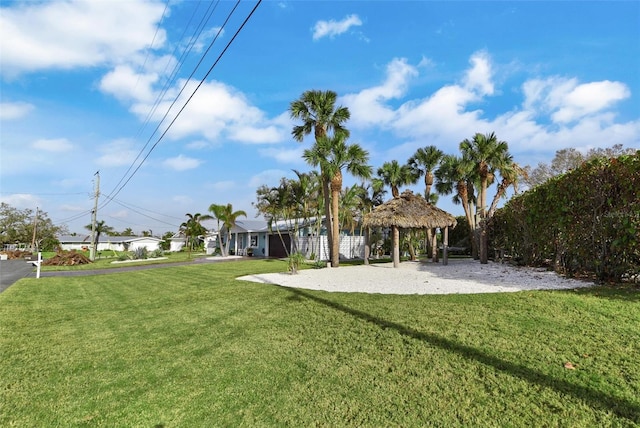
409	211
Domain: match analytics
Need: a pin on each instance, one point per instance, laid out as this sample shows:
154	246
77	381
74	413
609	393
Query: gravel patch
460	276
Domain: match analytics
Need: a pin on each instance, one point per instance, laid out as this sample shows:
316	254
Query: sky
182	104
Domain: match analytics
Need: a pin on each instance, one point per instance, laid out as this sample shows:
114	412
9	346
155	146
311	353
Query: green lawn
190	346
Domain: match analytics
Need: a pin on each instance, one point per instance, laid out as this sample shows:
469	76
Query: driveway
13	270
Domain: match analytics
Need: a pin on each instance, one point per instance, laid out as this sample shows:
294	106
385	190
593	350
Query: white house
110	243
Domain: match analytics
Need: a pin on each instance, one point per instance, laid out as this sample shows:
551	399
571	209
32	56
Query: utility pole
94	216
35	227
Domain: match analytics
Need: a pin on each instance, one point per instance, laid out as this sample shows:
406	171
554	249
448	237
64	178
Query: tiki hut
409	211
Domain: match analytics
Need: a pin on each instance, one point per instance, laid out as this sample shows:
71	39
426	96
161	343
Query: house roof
263	225
408	211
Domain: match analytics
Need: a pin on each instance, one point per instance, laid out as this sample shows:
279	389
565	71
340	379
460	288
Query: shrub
295	260
585	222
157	253
140	253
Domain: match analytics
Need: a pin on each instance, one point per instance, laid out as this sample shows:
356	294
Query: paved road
13	270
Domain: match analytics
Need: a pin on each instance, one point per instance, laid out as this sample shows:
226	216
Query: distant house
254	237
107	243
282	239
178	241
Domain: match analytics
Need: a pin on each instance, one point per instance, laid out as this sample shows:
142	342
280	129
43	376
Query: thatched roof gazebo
409	211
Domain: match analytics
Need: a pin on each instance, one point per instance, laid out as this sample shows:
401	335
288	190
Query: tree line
483	160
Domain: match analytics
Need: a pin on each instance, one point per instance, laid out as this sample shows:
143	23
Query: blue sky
79	80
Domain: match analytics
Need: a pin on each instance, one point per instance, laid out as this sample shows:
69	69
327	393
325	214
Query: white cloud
478	77
291	156
368	106
565	100
22	201
216	111
333	28
555	113
119	152
590	98
127	85
75	33
182	163
13	111
53	145
270	177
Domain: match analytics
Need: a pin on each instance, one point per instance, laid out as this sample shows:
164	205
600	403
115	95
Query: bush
157	253
295	260
585	222
140	253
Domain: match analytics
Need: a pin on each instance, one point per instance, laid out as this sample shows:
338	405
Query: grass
191	346
106	259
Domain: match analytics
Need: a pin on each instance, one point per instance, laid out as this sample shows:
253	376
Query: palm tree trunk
367	245
335	243
328	217
396	246
434	246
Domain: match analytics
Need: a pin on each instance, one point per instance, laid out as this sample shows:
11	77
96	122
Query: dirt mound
17	254
67	258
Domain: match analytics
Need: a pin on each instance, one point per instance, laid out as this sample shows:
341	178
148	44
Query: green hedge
585	222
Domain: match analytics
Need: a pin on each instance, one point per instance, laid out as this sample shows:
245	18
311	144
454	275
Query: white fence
351	247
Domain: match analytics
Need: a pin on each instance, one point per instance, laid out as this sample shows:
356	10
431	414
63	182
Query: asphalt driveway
13	270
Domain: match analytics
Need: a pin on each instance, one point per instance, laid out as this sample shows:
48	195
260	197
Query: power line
114	192
194	37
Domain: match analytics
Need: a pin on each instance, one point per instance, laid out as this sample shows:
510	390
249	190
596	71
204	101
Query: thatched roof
409	211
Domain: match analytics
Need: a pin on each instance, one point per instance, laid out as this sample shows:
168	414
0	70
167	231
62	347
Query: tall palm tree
193	229
318	112
423	162
395	175
228	218
308	198
455	176
101	228
372	196
333	155
217	210
488	155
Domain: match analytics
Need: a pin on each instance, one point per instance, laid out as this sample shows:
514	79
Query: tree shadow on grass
624	292
595	399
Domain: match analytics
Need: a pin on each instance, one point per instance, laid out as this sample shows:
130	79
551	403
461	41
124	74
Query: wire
112	195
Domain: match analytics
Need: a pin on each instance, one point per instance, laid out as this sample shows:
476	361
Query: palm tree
372	196
193	229
510	173
318	112
308	198
423	162
333	155
488	156
455	175
217	212
101	228
228	218
395	175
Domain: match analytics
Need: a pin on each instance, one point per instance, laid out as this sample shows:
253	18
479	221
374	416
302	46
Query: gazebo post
396	246
367	245
445	246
